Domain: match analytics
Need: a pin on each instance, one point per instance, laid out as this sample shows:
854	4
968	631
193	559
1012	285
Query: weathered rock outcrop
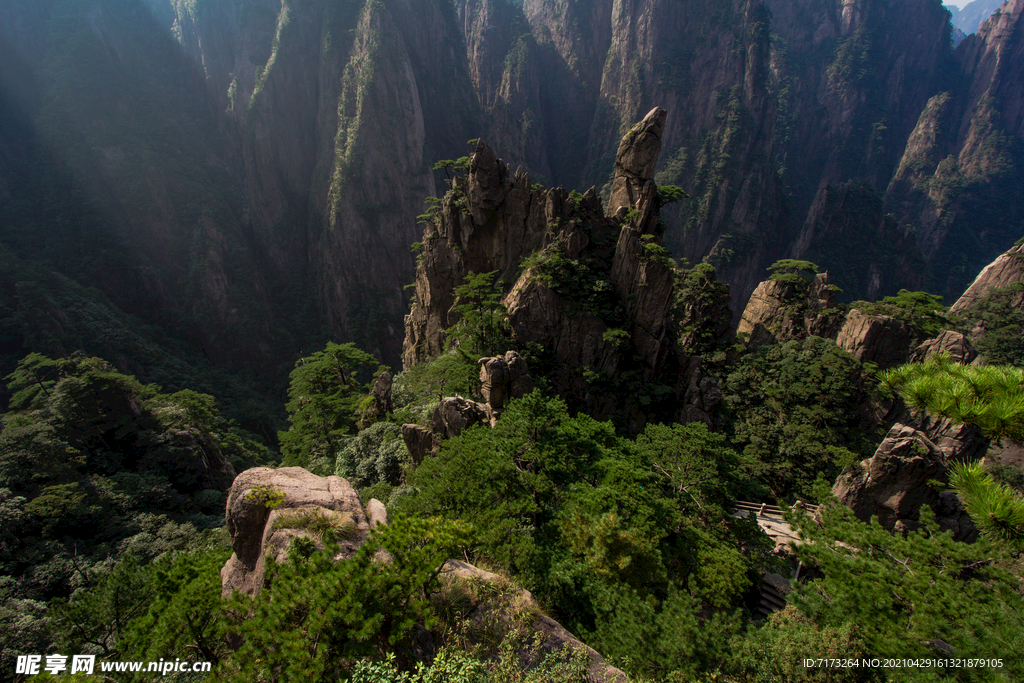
503	378
952	344
1006	270
454	414
646	285
955	441
420	441
488	222
635	161
996	300
778	311
381	403
893	484
518	602
819	129
258	531
877	339
493	218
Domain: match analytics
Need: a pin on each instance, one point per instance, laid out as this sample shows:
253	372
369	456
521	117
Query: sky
957	3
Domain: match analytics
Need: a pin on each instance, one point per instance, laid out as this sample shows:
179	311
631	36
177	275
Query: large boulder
779	310
262	527
877	339
503	378
953	344
895	482
420	442
455	414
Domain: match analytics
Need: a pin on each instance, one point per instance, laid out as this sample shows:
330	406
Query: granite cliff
248	173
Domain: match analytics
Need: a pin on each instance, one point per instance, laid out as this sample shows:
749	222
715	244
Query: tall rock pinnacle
636	159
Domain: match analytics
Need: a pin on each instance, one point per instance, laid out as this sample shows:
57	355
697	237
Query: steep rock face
1006	270
993	308
960	167
635	162
503	220
751	90
336	113
508	79
124	181
843	131
645	285
708	63
877	339
893	485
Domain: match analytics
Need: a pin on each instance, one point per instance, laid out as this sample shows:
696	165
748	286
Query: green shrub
377	454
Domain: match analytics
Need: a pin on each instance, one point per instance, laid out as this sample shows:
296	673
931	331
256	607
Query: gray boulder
258	531
953	344
877	339
894	483
454	414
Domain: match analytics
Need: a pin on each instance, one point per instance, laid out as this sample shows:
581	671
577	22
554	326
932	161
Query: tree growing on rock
793	271
482	328
323	402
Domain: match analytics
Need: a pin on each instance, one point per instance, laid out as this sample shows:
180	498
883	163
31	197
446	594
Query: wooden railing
765	510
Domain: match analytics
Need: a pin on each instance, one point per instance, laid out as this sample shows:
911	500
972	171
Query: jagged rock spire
636	159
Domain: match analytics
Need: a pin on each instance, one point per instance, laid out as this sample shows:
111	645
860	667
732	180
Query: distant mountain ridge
249	173
970	18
